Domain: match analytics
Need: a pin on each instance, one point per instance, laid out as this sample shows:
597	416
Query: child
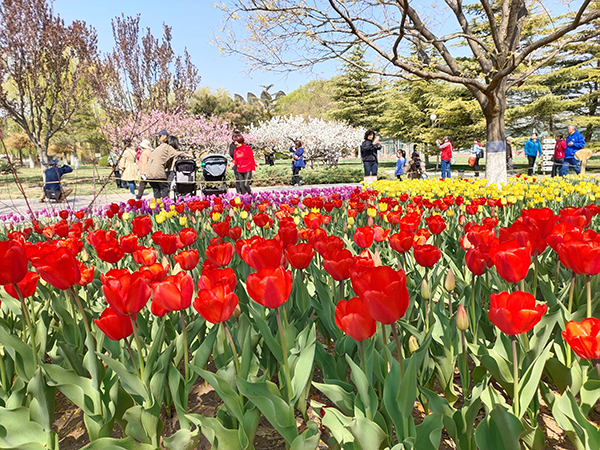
559	154
401	155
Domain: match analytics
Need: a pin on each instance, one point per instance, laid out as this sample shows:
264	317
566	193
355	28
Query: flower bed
361	319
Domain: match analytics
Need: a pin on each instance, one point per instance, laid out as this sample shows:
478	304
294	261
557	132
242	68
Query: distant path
18	206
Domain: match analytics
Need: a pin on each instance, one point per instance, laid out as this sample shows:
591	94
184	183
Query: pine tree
357	96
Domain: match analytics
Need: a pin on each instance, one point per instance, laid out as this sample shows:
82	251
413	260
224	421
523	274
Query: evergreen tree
357	96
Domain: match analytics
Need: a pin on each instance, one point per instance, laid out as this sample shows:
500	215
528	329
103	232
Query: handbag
472	160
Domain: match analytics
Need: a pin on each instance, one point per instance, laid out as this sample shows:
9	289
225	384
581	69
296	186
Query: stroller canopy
214	167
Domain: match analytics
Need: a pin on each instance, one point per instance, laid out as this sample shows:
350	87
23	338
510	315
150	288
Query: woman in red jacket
559	154
243	162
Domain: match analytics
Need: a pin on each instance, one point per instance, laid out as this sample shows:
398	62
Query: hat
145	144
53	162
163	133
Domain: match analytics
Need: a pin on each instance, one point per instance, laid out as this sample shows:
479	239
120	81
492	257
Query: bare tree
44	69
411	41
143	74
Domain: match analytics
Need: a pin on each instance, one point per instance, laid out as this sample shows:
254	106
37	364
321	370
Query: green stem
74	295
363	363
25	311
384	341
185	346
588	289
515	377
286	365
557	274
598	366
342	290
464	364
128	345
522	285
571	292
473	317
535	275
398	347
138	342
5	385
232	344
449	304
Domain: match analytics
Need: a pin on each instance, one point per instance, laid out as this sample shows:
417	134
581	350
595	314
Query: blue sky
194	25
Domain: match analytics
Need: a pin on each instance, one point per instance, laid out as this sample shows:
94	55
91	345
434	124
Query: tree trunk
493	110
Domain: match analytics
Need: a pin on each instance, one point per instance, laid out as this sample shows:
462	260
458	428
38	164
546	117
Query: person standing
244	163
400	163
559	154
297	162
128	167
575	142
445	148
533	149
477	153
113	161
232	147
142	165
368	153
156	170
510	169
53	188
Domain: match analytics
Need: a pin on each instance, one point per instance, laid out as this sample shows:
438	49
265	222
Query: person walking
156	170
297	162
510	169
533	149
113	161
558	158
445	148
477	154
575	142
400	163
368	153
244	163
232	147
142	165
128	167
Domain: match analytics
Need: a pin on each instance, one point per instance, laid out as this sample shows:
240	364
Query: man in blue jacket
575	142
533	149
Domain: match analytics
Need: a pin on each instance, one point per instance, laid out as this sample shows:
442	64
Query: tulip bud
370	221
462	320
202	234
237	312
376	258
450	282
413	345
85	257
425	292
164	261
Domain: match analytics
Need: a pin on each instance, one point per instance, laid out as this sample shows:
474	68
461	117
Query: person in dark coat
53	188
368	153
297	162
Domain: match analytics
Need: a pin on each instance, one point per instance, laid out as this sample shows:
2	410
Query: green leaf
117	444
142	425
337	424
43	402
265	395
18	431
569	417
309	440
130	381
429	432
529	383
221	438
367	433
233	401
340	393
500	430
21	354
366	393
182	440
302	367
265	330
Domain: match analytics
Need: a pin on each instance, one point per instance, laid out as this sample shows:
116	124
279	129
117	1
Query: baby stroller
184	178
213	175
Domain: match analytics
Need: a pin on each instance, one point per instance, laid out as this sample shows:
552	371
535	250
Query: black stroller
184	178
214	168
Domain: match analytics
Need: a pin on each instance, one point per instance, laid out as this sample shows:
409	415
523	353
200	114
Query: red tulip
125	292
268	253
174	293
475	261
154	272
13	262
235	233
27	286
87	274
142	225
420	237
582	257
584	337
188	259
145	256
220	254
110	251
338	264
543	219
113	326
312	220
427	255
578	217
383	290
288	235
436	223
353	319
363	236
188	236
270	287
261	220
379	234
480	235
57	266
213	277
511	260
300	255
410	222
328	244
402	241
216	304
129	243
170	243
515	313
314	235
525	235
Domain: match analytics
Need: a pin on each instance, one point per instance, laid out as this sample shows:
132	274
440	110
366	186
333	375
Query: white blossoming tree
322	140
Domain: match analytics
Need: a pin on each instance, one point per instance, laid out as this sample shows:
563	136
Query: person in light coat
128	166
142	165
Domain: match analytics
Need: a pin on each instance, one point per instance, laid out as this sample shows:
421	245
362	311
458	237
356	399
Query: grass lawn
87	179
